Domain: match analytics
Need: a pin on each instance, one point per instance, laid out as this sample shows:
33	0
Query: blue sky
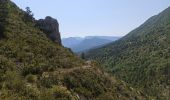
95	17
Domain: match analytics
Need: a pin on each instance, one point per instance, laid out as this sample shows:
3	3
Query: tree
83	55
28	14
28	11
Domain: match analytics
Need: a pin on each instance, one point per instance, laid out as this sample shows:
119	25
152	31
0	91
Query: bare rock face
50	27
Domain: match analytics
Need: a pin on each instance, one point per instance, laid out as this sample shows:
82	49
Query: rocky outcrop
50	27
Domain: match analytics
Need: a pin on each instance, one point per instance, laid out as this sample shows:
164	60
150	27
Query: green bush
31	78
62	93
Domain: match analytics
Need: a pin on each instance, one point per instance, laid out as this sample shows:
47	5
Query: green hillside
33	67
142	57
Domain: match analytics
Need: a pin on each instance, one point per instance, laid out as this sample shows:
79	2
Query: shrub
61	92
31	78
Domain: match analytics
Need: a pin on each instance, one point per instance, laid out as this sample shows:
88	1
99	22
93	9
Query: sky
79	18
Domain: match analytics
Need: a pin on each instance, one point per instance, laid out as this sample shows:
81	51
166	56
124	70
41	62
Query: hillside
142	57
34	65
82	44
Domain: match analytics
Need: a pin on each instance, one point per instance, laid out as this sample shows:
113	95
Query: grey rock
50	27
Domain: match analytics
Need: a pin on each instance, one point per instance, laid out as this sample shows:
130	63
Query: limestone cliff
50	27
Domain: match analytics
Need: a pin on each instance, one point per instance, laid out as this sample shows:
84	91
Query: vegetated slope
33	67
142	58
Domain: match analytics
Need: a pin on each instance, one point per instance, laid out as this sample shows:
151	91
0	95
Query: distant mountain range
79	44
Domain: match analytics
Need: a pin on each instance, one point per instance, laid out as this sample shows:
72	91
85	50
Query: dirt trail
68	70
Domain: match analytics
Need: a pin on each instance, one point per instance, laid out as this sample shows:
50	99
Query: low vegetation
141	58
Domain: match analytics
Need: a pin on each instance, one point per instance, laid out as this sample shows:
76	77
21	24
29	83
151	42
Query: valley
37	64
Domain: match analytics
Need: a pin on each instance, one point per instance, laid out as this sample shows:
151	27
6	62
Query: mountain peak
156	21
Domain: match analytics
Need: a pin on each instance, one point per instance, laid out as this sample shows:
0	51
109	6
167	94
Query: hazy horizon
90	36
95	18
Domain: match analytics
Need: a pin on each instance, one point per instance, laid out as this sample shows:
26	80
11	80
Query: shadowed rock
50	27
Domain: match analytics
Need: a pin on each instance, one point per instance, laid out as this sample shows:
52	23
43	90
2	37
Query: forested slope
142	57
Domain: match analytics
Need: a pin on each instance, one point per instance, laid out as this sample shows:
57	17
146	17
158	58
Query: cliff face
50	27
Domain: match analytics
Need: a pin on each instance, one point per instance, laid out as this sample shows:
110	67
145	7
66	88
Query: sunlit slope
142	57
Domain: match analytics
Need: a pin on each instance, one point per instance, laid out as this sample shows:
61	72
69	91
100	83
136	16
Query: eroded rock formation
50	27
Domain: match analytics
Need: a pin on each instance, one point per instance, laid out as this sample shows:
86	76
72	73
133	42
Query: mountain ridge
78	44
141	58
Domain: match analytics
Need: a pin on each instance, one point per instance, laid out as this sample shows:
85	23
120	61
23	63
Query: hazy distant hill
78	44
71	41
111	38
90	43
142	57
